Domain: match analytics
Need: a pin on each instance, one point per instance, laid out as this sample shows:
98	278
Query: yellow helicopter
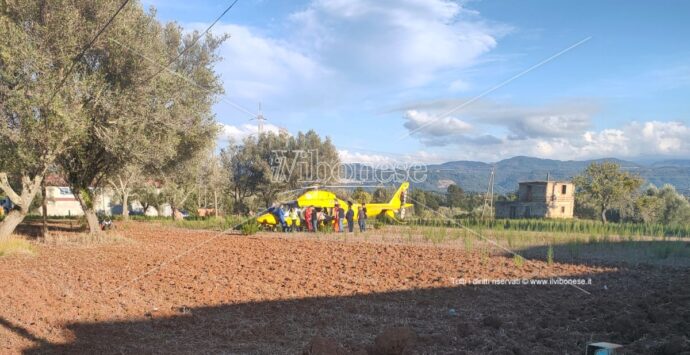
326	200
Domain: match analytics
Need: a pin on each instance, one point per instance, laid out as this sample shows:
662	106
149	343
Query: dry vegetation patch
16	245
85	239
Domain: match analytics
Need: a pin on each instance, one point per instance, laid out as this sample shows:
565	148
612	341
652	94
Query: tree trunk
21	201
175	215
123	188
44	209
11	222
87	207
125	206
92	220
215	203
603	215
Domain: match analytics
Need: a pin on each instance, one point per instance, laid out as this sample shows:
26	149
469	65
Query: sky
429	81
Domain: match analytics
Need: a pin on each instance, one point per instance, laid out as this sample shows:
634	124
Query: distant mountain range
474	176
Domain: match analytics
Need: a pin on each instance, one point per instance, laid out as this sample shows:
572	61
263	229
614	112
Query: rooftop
545	182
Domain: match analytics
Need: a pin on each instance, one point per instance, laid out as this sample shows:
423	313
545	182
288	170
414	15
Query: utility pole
260	119
488	208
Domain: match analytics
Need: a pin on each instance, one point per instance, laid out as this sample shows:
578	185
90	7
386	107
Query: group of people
311	218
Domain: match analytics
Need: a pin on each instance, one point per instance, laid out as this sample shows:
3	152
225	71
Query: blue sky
379	76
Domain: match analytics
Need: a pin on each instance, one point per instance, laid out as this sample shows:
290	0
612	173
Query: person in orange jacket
336	219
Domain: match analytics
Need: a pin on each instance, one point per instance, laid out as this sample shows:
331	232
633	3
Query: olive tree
261	167
664	205
605	187
211	180
124	183
41	100
145	114
361	196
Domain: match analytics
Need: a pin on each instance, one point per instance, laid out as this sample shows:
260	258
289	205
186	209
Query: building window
65	191
562	209
564	189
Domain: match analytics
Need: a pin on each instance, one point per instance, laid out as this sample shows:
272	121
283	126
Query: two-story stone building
540	199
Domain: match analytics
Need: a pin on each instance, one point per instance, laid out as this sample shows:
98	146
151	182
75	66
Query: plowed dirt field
167	290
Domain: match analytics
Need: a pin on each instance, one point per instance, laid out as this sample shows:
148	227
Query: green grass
568	245
518	260
573	226
435	235
468	240
16	245
411	233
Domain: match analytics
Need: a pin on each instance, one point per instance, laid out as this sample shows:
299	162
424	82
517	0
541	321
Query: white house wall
61	202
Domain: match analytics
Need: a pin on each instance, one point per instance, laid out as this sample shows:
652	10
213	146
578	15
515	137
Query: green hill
474	176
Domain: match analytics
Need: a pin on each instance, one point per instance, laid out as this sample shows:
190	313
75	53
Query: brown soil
176	291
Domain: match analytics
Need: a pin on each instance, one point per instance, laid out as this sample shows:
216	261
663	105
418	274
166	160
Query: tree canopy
40	119
99	113
263	167
605	187
455	196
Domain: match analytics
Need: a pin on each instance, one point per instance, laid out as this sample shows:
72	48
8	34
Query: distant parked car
136	212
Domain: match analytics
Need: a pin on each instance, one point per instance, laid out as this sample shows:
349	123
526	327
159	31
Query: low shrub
549	255
518	260
250	227
378	224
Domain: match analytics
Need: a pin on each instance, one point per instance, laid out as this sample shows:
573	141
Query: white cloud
490	131
380	159
604	143
347	157
238	133
404	42
333	50
550	124
561	119
332	53
631	140
257	67
431	125
652	138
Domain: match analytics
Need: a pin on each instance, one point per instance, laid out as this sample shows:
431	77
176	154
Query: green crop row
562	226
